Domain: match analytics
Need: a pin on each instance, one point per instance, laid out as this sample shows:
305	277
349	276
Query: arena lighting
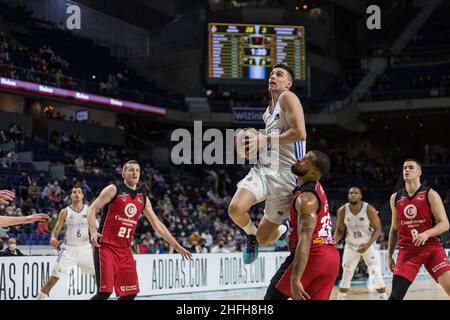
87	98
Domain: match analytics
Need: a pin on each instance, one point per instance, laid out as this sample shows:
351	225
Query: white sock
41	296
281	229
250	228
342	296
382	296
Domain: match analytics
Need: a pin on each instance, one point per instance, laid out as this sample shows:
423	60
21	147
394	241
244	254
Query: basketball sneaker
251	251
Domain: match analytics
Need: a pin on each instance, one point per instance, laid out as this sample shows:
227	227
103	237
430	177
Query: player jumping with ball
271	178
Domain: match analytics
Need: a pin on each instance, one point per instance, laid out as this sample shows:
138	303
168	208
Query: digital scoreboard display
248	51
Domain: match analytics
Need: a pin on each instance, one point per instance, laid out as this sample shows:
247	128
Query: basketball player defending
313	266
285	126
418	218
76	249
363	229
6	196
122	205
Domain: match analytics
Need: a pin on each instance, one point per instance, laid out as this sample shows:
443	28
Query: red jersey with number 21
119	218
414	217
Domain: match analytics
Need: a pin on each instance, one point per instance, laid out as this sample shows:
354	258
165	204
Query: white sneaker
42	296
341	296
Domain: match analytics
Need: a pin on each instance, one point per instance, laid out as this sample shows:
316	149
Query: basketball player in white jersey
363	229
76	249
272	181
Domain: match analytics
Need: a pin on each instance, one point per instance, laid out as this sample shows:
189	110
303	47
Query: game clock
247	52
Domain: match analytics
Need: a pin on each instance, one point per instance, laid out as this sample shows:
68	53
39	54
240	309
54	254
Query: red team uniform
114	263
414	217
323	264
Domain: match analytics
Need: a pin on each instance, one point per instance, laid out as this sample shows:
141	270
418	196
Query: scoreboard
248	51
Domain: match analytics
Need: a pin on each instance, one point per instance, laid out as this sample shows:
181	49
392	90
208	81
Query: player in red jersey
418	217
313	266
122	205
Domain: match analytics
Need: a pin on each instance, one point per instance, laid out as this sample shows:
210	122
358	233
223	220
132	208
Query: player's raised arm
105	197
393	233
340	225
438	211
159	227
306	206
375	223
58	227
293	111
12	221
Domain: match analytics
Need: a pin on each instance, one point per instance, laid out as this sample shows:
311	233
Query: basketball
240	143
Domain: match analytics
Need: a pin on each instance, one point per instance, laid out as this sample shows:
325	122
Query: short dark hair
322	162
130	162
285	67
355	187
77	186
414	160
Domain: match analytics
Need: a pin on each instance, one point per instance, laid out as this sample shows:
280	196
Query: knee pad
400	286
375	273
347	277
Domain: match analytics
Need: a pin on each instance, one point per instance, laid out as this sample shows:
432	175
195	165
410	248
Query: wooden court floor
421	289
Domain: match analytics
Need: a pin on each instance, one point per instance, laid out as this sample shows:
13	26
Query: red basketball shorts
319	276
410	260
115	269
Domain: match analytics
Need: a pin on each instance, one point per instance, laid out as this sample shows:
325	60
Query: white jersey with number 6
358	226
77	228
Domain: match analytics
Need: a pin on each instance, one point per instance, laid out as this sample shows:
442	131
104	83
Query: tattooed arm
306	206
393	233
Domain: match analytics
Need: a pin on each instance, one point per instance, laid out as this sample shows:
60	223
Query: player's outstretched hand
297	291
95	238
39	217
6	196
421	239
186	254
391	264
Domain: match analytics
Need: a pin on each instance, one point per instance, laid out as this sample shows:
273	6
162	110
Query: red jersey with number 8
414	217
322	232
119	218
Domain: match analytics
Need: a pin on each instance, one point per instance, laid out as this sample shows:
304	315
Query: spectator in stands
33	191
208	238
42	228
79	164
11	160
3	235
24	185
3	137
144	246
237	247
201	246
158	177
12	250
220	247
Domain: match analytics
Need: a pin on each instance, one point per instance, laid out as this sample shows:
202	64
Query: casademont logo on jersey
410	211
130	210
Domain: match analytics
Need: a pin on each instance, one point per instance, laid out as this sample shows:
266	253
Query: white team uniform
76	249
271	178
359	232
